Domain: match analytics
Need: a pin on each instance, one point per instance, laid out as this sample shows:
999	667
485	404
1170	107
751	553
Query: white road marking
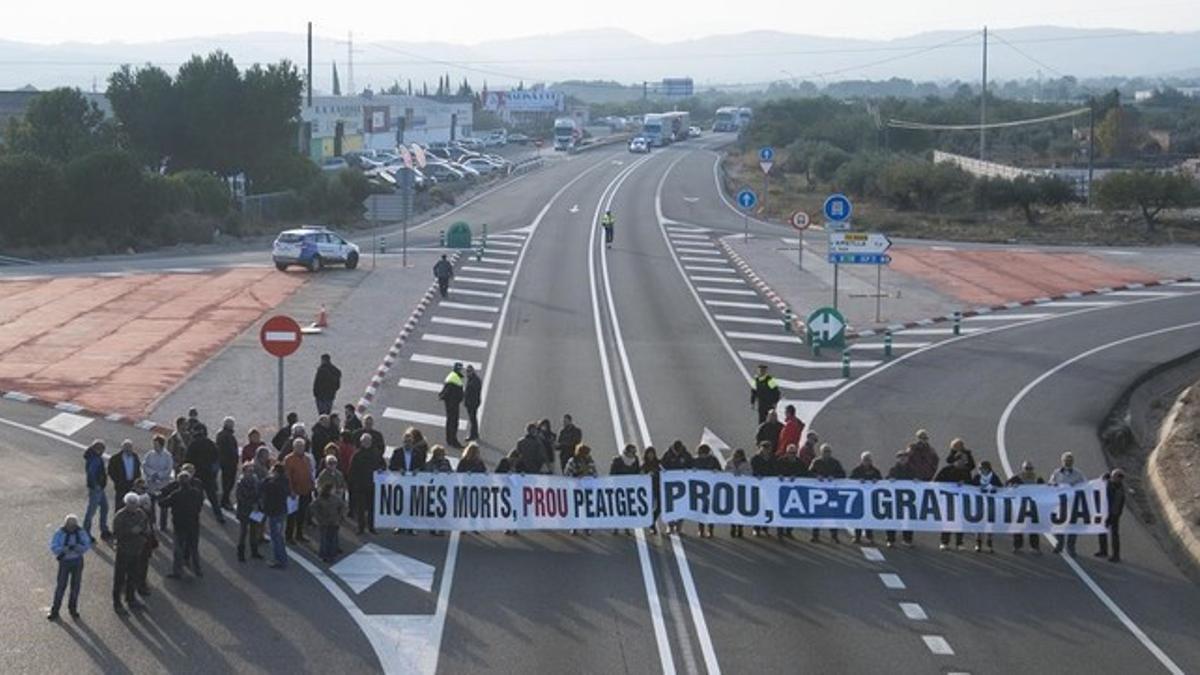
442	361
693	598
692	258
452	340
936	331
423	385
1079	303
371	562
487	252
508	244
477	280
700	251
494	261
733	318
68	407
1119	253
1140	294
486	270
802	363
938	645
740	305
694	237
914	611
809	385
415	417
704	241
1187	284
718	280
765	337
1002	450
469	307
895	345
486	325
724	291
872	553
891	581
506	235
702	268
681	228
66	423
1007	317
477	294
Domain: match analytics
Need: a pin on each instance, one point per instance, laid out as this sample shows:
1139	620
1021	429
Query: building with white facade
335	125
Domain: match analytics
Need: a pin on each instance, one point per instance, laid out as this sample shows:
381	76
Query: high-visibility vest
607	220
454	379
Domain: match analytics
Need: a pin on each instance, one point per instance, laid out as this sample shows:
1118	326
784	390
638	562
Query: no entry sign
280	336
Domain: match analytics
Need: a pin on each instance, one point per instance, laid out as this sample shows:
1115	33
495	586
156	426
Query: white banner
710	497
479	501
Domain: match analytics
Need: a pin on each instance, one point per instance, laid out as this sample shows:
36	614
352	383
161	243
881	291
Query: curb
393	352
1187	539
74	408
761	286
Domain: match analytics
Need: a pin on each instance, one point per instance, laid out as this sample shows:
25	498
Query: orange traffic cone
322	320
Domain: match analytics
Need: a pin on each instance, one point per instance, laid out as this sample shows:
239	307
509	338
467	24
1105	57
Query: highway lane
1007	613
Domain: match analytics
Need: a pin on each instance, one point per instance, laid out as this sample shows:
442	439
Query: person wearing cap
922	457
124	468
988	482
764	392
443	271
326	382
769	429
1027	476
1066	474
901	470
186	501
129	532
97	481
865	471
791	433
451	396
1114	487
68	544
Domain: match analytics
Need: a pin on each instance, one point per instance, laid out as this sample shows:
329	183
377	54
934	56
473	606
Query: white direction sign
766	166
858	242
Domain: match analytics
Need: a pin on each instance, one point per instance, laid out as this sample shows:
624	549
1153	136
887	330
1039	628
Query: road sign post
766	159
800	222
280	337
746	199
837	209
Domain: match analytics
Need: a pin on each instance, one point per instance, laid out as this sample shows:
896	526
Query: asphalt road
646	342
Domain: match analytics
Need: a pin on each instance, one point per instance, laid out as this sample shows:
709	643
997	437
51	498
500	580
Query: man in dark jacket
274	496
529	449
186	501
788	465
377	442
361	481
1027	476
763	464
352	422
569	437
451	396
901	470
281	437
764	392
922	457
97	481
202	454
228	454
323	433
326	384
826	467
408	458
865	471
1114	487
769	430
443	271
124	468
130	527
957	474
472	397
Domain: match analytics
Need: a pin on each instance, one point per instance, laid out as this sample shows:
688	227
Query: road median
1172	475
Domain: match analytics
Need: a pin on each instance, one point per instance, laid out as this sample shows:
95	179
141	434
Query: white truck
661	129
566	134
726	120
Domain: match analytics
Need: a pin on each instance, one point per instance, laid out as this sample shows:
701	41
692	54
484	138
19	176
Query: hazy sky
470	21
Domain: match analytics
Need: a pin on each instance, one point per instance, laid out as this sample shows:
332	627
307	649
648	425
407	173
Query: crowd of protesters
316	479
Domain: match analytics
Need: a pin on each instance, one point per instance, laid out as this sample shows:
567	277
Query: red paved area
995	276
118	344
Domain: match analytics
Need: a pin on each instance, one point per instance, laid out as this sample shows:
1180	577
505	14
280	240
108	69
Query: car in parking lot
314	247
519	139
443	173
482	165
639	144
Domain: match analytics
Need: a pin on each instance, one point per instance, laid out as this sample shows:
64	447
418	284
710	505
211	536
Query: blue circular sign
747	199
766	154
837	207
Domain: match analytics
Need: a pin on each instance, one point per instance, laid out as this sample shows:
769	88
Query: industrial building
335	125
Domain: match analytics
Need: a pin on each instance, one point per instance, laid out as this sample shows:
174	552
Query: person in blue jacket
68	544
97	481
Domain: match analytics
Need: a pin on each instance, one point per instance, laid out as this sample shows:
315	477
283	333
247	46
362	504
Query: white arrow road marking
574	209
371	562
66	423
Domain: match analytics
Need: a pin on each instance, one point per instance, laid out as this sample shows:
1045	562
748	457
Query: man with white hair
68	544
186	501
1066	474
129	531
124	468
865	471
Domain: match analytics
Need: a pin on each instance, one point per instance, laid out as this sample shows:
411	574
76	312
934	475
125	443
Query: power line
1027	56
924	126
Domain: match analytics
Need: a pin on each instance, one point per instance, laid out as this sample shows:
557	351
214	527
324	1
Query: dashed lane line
914	611
892	581
938	645
873	554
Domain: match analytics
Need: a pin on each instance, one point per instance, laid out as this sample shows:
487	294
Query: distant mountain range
618	55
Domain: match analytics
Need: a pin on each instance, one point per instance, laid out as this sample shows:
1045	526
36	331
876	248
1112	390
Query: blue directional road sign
837	208
860	258
747	199
766	154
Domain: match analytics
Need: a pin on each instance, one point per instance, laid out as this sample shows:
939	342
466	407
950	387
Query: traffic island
1173	472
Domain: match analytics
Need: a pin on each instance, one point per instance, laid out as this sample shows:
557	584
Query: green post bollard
442	238
788	318
887	344
958	323
382	243
483	237
814	344
846	362
479	253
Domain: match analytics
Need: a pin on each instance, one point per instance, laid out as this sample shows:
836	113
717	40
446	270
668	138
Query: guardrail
606	141
9	260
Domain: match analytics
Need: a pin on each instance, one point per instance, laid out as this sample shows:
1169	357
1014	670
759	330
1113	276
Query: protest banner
466	501
716	498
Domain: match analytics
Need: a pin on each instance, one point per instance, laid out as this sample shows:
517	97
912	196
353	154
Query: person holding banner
706	461
956	474
652	467
763	464
366	461
581	465
770	429
624	464
790	466
988	482
470	461
865	471
1066	474
1114	487
1027	477
793	430
901	470
826	467
676	458
922	457
437	464
738	465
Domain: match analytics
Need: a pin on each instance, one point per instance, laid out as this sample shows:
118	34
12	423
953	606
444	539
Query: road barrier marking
892	581
765	337
914	611
442	361
719	280
724	291
938	645
66	423
477	280
486	325
733	318
423	385
740	305
469	307
452	340
415	417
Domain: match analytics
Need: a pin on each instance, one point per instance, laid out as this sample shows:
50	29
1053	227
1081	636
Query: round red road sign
280	336
800	220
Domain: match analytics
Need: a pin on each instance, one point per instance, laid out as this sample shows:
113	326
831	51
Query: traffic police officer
452	397
607	223
765	392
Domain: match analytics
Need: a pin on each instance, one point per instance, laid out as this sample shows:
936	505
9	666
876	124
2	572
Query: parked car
314	247
471	143
481	165
444	173
639	144
519	139
495	138
334	164
470	173
693	132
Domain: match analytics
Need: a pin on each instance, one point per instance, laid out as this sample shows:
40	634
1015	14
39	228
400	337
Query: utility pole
350	63
1091	143
983	104
308	72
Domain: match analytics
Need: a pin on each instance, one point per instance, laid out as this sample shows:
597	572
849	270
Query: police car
313	247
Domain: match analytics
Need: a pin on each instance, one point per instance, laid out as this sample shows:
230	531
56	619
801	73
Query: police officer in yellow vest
764	392
452	396
607	222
